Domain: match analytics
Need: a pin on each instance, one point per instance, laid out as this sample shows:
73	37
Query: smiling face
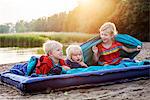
106	37
107	32
76	56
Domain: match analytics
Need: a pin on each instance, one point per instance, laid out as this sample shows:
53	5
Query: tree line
130	16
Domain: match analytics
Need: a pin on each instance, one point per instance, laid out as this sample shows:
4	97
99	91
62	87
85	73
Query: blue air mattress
28	84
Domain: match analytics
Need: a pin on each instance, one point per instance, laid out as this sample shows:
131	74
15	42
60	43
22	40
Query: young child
75	57
52	62
107	52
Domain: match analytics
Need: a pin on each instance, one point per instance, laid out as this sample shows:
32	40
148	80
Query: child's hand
138	48
66	67
83	64
95	49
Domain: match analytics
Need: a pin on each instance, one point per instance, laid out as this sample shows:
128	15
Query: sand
134	90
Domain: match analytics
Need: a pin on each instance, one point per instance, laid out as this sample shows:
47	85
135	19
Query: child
75	57
52	62
107	52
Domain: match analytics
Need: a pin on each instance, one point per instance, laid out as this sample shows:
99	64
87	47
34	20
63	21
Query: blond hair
51	45
70	50
109	28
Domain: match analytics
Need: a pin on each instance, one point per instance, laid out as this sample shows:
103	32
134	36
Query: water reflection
13	55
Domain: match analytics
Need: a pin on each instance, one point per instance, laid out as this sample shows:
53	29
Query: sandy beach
135	90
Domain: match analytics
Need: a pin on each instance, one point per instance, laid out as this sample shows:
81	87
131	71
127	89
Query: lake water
13	55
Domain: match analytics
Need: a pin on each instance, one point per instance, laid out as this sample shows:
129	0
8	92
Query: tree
21	26
4	28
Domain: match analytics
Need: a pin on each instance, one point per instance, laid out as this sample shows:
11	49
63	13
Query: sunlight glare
84	2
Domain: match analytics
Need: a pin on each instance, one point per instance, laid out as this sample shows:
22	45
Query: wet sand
135	90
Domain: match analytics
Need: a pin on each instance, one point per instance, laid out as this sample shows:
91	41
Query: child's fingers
83	64
139	48
66	67
94	49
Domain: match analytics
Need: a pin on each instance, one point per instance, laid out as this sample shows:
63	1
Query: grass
21	40
36	39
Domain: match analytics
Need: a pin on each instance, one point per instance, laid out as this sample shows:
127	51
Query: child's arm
66	67
83	64
138	48
95	55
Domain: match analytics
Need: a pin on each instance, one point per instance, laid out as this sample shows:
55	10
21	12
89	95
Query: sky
15	10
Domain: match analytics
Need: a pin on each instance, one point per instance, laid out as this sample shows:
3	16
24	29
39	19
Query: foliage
130	16
37	39
65	37
20	40
4	28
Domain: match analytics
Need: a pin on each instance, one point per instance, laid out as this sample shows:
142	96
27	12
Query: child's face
76	56
105	36
57	53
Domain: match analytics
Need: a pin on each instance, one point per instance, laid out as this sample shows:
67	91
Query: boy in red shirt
52	62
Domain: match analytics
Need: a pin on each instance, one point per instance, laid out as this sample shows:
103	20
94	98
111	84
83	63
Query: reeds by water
37	39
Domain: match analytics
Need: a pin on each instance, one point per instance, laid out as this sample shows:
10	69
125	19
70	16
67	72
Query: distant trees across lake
130	16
